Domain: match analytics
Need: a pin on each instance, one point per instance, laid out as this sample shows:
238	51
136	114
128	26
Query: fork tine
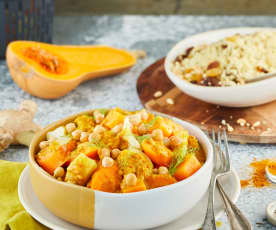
226	150
221	154
214	147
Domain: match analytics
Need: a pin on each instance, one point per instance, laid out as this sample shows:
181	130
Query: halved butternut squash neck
51	71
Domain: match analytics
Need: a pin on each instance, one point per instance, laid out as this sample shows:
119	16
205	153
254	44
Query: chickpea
144	115
107	162
99	129
76	134
59	172
94	136
115	153
105	152
155	171
157	134
99	117
131	179
142	129
163	170
43	144
84	136
70	127
135	119
166	141
174	141
116	129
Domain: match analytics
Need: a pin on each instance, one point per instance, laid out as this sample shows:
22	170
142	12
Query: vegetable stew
119	151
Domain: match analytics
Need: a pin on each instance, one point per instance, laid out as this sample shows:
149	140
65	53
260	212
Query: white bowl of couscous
239	53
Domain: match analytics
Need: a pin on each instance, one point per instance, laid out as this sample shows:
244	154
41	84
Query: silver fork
236	218
210	221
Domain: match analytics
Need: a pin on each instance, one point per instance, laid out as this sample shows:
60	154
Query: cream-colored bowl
235	96
101	210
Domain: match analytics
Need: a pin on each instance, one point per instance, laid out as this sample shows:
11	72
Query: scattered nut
43	144
70	127
230	128
241	122
76	134
131	179
256	124
115	153
157	134
170	101
59	172
163	170
107	162
158	94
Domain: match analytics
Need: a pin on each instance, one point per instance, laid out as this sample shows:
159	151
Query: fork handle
210	221
237	220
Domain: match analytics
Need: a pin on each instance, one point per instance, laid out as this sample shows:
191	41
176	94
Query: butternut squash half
51	71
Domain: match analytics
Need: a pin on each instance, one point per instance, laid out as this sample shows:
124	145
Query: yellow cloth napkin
12	214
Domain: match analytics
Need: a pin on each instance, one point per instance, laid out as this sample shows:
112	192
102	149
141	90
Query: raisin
214	64
183	56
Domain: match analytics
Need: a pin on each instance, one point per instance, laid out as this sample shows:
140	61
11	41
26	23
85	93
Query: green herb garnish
140	139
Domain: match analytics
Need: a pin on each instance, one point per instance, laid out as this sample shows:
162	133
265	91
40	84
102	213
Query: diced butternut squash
159	180
157	152
140	186
85	123
106	179
51	157
188	167
87	148
164	125
113	118
194	147
80	170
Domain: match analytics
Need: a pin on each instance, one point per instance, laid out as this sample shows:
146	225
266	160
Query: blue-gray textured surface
156	35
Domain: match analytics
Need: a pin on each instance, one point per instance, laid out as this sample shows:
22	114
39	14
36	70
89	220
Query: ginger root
16	126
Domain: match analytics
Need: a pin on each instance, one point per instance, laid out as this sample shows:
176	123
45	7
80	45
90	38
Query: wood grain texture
202	114
195	7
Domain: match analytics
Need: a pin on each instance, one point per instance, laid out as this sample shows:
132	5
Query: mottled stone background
156	35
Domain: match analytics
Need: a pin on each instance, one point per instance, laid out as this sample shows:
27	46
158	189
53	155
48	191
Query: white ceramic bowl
236	96
139	210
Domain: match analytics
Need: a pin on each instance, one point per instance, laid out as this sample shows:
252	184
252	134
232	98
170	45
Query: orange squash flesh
188	167
51	71
157	152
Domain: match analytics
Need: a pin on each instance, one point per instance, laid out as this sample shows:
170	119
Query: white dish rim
45	222
224	89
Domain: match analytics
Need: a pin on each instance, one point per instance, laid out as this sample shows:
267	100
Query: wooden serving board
202	114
